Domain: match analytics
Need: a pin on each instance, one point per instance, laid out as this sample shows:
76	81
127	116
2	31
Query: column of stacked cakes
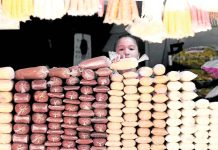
115	112
93	113
100	108
188	110
159	106
131	97
86	113
70	113
23	104
22	118
145	107
55	133
55	116
174	110
92	120
39	115
6	106
213	137
202	121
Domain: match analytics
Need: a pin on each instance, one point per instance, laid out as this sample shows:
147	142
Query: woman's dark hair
139	42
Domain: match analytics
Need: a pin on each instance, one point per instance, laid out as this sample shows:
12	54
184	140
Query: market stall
91	104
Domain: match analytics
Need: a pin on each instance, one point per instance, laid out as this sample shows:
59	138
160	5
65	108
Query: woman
128	46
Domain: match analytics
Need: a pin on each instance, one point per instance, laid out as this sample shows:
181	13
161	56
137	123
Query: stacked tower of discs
202	127
174	110
145	108
71	89
22	117
159	106
86	113
39	115
130	110
100	108
115	112
55	116
56	94
6	106
188	111
213	138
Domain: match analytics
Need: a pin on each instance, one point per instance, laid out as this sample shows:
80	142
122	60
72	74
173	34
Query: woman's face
126	46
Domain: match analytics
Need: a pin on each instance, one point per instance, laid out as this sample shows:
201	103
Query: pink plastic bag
211	67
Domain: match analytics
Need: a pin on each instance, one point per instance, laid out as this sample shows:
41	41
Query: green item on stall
202	75
195	57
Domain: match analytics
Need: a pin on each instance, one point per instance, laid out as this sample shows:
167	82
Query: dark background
50	42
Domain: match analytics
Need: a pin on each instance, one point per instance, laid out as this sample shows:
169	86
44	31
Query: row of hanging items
213	19
200	18
121	12
82	7
50	9
149	26
159	19
176	19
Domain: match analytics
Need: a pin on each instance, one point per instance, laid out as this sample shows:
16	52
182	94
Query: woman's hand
118	57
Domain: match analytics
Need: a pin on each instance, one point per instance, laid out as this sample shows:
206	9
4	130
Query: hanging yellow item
18	9
177	19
